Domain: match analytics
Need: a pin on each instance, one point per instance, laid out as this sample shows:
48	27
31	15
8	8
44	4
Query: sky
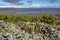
30	3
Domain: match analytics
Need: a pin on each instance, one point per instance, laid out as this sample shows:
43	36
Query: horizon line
26	7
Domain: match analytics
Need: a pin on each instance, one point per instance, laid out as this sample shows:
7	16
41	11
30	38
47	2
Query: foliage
50	19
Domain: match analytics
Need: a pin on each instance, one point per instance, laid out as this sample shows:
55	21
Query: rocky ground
11	31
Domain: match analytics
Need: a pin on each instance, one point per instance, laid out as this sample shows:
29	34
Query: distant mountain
30	10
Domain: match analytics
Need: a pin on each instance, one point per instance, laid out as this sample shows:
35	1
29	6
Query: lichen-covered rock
42	32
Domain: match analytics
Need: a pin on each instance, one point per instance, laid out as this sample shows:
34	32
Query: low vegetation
50	19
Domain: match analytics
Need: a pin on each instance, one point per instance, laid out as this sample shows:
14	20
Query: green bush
50	19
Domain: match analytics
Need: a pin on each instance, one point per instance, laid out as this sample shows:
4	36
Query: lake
32	10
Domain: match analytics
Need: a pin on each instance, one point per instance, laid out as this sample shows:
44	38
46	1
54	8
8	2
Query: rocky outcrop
14	32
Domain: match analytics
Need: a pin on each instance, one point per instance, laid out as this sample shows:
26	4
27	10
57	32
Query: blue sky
32	3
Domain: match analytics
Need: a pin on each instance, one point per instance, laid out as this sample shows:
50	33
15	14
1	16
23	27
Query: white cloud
30	6
35	5
10	6
22	6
